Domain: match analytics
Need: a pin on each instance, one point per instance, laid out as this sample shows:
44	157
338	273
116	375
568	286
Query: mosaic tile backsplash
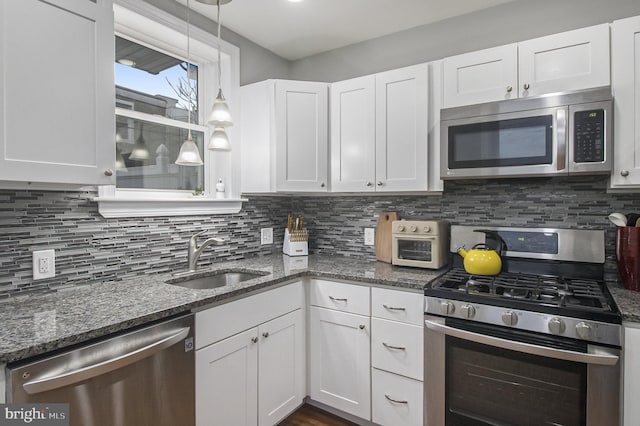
91	248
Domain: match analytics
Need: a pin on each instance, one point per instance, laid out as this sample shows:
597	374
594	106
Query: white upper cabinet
379	132
626	98
481	76
56	85
284	136
568	61
353	137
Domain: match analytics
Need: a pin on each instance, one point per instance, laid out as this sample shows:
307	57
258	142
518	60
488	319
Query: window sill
111	207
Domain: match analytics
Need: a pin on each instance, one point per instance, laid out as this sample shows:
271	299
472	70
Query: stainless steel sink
216	279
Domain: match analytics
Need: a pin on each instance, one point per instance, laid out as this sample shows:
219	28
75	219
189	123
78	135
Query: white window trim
148	24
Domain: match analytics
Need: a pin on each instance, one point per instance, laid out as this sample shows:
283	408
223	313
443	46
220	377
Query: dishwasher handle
70	377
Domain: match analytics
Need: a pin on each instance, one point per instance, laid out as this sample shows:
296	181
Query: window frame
147	25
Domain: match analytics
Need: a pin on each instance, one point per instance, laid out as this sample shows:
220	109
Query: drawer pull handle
391	308
396	401
335	299
398	348
265	334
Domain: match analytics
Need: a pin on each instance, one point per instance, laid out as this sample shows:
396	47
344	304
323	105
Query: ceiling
297	30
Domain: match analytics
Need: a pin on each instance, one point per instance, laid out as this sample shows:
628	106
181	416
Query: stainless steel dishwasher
143	377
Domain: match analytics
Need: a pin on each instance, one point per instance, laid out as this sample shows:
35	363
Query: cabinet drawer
397	347
396	400
222	321
397	305
340	296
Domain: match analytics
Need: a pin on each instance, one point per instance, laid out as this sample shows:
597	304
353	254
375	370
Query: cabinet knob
526	86
265	334
254	340
322	185
108	172
379	183
369	184
361	326
624	173
509	89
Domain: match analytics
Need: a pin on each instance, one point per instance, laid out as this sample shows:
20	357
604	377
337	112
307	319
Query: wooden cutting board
383	235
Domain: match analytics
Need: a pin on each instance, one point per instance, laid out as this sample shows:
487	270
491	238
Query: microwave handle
561	138
528	348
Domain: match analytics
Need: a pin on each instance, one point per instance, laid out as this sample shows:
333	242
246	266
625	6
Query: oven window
493	386
513	142
415	250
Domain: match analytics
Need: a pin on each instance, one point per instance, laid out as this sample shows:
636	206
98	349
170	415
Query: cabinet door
227	381
57	91
631	374
353	135
563	62
482	76
281	368
301	136
402	129
339	361
626	98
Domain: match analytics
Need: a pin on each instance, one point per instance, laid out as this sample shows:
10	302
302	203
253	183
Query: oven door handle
598	358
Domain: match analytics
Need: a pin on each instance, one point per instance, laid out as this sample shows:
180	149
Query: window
155	98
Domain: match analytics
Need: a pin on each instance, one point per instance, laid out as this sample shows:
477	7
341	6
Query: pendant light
140	152
220	116
189	154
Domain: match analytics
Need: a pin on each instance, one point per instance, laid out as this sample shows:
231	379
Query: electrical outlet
44	264
266	236
369	236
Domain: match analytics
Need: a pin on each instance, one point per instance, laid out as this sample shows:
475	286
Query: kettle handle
495	236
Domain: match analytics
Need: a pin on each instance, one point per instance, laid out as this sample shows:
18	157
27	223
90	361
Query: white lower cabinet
396	400
339	361
631	374
257	375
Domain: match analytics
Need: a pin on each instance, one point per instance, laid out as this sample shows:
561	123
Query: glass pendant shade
189	154
120	165
220	115
219	140
140	151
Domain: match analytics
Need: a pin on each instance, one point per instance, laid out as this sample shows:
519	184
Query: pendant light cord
188	77
219	65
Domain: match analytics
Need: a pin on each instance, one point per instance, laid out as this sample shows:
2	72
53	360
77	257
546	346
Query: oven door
526	143
421	252
478	374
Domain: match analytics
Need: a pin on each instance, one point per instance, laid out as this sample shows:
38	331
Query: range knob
467	311
413	228
400	228
556	325
447	308
584	330
510	318
426	229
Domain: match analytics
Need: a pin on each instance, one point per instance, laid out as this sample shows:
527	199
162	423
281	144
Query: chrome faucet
194	251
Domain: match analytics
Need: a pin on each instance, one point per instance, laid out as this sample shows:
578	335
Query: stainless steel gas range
537	344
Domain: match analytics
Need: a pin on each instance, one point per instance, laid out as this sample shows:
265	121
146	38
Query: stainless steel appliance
143	377
556	134
420	243
538	344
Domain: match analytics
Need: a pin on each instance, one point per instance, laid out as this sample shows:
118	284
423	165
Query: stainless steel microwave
551	135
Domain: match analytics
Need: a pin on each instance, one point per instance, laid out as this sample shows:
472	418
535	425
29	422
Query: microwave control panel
589	136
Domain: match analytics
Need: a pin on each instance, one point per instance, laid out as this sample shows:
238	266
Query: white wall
511	22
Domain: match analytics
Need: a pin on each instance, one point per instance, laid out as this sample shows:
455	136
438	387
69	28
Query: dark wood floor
312	416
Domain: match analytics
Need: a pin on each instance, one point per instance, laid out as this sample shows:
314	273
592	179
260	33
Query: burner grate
564	292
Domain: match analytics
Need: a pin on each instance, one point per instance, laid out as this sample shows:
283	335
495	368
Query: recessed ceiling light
127	62
295	1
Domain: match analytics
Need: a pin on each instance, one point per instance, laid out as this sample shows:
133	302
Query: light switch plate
44	264
266	236
369	236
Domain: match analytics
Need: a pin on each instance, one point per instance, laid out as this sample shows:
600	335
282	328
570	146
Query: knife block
296	243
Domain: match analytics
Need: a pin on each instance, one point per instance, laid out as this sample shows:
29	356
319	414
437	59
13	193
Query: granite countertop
42	323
